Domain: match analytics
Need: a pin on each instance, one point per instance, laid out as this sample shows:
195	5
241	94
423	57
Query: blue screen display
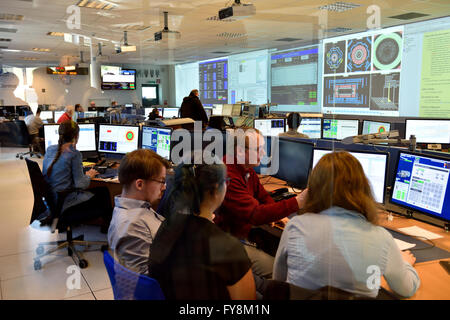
422	184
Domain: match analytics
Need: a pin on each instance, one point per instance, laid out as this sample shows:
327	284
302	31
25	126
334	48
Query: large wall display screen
361	73
213	76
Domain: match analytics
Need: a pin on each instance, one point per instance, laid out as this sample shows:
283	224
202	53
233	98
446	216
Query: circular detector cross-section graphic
387	48
359	54
129	135
335	57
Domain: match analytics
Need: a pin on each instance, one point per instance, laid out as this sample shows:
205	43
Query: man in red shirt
67	115
247	203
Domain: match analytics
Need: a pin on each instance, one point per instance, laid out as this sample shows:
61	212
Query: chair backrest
41	190
129	285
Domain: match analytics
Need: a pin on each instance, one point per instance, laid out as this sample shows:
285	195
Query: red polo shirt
64	117
248	204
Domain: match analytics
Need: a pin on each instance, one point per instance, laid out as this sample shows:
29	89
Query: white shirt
133	226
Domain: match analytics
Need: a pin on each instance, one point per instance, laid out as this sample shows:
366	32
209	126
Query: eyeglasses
227	181
159	181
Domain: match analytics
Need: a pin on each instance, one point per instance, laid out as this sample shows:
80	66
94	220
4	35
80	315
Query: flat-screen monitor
86	140
375	127
227	110
45	115
269	127
170	113
295	159
147	111
236	110
89	114
116	78
157	139
209	112
217	109
428	131
339	129
312	127
422	184
118	138
58	115
374	164
51	135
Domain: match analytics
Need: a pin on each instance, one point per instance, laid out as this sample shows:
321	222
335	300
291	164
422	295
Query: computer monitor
170	113
374	164
51	135
312	127
236	110
157	139
90	114
86	139
45	115
295	159
209	112
227	110
375	127
118	138
58	115
428	131
129	105
147	111
339	129
217	109
269	127
422	184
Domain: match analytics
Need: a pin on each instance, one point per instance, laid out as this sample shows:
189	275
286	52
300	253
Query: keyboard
109	173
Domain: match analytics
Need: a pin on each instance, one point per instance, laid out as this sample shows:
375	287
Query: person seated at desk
67	115
294	119
337	242
247	203
34	123
92	106
142	174
192	258
154	114
63	170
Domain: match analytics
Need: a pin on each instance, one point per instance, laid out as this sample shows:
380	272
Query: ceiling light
339	6
96	4
11	17
11	50
29	59
41	49
55	34
128	48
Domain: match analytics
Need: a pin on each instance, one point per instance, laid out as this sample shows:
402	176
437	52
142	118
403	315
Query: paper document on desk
403	245
416	231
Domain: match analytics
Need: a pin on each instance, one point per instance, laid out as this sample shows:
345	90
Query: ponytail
68	131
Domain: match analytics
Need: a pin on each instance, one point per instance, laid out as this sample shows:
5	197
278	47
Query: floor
18	242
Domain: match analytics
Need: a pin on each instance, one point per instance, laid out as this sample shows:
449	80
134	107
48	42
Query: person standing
193	108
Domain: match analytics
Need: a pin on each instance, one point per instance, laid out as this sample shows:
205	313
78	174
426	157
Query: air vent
5	40
8	30
231	35
338	29
3	47
29	59
340	6
409	16
96	4
289	39
220	52
11	17
216	18
131	26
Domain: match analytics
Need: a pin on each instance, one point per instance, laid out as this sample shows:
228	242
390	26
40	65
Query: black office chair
44	202
26	140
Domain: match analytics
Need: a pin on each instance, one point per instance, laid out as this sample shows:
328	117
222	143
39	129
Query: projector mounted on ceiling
165	33
126	47
237	11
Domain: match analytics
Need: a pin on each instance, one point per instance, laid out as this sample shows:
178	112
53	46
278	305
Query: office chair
129	285
44	201
26	140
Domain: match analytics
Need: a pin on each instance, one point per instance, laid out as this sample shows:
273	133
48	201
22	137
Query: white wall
78	90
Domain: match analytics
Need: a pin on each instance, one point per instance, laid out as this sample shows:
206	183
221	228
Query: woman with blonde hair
337	241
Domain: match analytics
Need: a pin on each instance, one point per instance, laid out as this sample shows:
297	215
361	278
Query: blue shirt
338	247
67	173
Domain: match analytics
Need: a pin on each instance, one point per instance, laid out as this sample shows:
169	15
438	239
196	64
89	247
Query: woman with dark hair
63	170
338	242
191	257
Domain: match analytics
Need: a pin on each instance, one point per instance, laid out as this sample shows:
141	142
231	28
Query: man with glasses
247	203
142	174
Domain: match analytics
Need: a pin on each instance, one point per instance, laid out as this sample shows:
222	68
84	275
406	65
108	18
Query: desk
435	281
113	186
